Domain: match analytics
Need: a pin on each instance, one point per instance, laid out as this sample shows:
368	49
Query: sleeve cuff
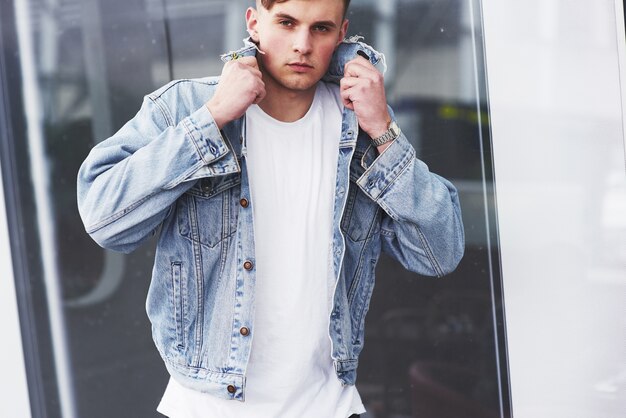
386	167
205	135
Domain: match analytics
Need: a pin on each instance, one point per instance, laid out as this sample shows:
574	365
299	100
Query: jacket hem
222	385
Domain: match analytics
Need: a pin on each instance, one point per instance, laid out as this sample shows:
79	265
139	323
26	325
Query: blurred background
74	71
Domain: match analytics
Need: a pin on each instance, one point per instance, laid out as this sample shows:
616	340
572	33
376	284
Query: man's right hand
240	86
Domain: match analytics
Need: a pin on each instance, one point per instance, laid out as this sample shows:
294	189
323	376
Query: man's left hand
363	90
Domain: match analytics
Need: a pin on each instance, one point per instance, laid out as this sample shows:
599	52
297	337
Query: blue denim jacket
171	170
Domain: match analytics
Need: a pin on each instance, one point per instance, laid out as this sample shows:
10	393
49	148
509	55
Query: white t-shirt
292	169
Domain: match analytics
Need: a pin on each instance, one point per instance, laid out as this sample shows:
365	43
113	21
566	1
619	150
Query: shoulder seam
210	81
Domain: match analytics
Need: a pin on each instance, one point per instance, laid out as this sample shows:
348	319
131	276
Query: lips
300	67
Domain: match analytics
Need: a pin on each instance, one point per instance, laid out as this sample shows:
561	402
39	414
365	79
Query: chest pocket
361	218
207	213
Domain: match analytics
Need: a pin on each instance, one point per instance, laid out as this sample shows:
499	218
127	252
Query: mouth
300	67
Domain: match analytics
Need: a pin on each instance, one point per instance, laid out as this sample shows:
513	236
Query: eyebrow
328	23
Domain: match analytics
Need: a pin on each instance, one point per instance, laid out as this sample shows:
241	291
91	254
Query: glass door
76	71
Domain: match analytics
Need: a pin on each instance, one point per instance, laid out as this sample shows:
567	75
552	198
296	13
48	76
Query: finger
260	96
243	65
358	66
254	71
346	99
348	82
359	71
347	91
363	60
259	90
241	71
356	89
249	61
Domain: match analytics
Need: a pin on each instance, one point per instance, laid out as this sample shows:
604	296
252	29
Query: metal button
231	389
247	265
244	331
244	202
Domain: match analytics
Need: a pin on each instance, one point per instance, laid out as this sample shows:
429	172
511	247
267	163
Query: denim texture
171	171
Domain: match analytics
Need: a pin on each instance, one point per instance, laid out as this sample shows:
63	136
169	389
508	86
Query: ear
251	23
342	31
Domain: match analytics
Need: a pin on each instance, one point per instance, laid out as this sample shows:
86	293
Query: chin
301	87
301	84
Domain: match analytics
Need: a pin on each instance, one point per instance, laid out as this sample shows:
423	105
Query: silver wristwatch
390	134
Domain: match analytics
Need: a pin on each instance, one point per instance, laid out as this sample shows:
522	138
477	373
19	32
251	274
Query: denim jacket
171	170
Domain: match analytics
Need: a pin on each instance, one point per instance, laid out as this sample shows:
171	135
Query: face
298	38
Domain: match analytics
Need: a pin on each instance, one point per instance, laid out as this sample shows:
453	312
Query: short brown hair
269	3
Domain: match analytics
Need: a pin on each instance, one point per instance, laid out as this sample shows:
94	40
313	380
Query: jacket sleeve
128	182
422	226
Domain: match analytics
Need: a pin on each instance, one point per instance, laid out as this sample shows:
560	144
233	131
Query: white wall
558	141
13	388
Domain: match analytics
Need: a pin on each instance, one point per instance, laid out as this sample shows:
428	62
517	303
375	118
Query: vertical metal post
48	57
14	399
385	35
468	80
40	175
95	66
620	20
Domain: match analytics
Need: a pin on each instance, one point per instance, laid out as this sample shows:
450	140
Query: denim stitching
429	253
118	215
197	255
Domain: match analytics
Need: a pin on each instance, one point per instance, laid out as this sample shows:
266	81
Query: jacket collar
347	50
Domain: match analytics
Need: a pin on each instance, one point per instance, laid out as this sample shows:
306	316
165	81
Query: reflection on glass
432	345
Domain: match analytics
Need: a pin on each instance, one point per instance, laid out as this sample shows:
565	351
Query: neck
286	105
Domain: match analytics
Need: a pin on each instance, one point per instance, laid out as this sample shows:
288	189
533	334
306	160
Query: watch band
390	134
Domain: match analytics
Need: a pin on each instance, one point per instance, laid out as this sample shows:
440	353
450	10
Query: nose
302	41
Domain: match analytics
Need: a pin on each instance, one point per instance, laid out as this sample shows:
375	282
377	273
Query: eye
285	23
321	28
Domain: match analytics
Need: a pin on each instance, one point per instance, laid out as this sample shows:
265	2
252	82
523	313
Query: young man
274	188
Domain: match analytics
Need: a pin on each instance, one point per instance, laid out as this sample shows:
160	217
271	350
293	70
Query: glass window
77	71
